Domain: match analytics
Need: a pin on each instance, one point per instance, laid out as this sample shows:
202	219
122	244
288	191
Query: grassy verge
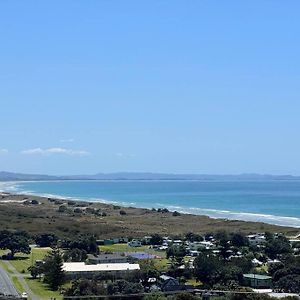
5	267
17	284
41	290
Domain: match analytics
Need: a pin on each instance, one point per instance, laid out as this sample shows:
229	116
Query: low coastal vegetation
70	218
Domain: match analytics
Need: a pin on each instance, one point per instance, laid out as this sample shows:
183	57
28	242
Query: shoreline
285	221
17	212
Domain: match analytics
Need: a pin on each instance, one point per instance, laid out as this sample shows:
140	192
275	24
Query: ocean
275	202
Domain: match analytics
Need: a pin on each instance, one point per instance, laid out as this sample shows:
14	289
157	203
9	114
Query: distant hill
9	176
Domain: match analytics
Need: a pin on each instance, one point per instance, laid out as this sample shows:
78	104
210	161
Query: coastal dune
69	217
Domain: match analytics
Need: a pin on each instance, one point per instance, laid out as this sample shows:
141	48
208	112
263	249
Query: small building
256	263
135	243
120	240
75	270
168	283
147	239
108	242
201	245
257	281
256	239
106	259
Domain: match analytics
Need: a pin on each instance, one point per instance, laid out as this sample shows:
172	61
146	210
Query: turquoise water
275	202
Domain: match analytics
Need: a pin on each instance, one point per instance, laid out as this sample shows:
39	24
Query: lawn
161	264
2	252
23	261
193	282
41	290
127	248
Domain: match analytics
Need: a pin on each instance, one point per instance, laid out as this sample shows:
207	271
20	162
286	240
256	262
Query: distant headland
11	176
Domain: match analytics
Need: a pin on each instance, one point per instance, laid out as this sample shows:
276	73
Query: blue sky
161	86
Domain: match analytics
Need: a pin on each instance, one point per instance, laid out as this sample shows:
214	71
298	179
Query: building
168	283
135	243
257	281
256	239
106	259
80	269
120	240
194	246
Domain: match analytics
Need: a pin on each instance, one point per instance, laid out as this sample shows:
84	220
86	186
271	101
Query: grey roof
106	256
165	277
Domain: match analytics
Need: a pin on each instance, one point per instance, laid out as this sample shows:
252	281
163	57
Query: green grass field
23	261
126	248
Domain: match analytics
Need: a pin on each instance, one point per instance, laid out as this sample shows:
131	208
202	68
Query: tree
46	240
35	271
148	270
53	271
85	287
239	240
156	239
193	237
155	296
124	287
185	296
289	283
14	241
75	255
87	243
207	268
280	245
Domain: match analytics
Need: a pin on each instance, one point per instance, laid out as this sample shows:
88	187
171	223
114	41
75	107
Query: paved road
6	285
21	280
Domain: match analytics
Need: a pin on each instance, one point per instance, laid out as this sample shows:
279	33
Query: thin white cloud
3	151
52	151
124	155
67	140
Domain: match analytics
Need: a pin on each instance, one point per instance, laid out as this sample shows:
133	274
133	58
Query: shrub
176	214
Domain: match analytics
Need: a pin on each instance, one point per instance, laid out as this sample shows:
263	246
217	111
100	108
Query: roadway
6	285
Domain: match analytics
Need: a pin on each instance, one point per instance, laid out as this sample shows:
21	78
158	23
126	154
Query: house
194	246
255	262
121	240
75	270
194	253
273	261
256	239
147	239
168	283
106	259
135	243
257	281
